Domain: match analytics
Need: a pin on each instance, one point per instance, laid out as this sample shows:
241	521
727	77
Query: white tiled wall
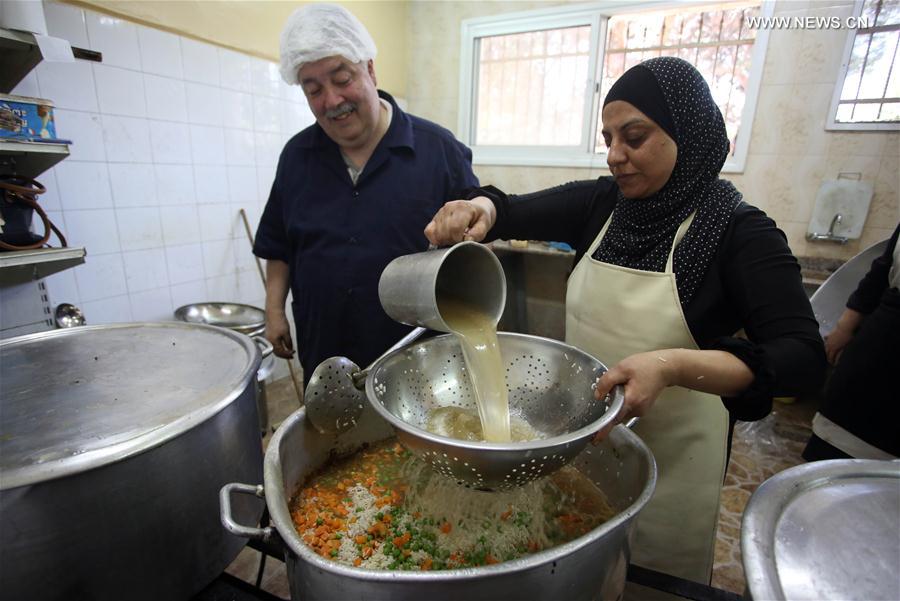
171	138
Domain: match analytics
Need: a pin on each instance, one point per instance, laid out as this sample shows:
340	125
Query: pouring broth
382	508
477	334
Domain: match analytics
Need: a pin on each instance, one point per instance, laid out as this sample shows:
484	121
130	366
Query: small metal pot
590	567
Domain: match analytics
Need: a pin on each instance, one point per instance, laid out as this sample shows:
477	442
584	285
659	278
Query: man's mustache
340	110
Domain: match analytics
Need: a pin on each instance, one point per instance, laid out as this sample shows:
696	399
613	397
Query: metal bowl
245	319
550	386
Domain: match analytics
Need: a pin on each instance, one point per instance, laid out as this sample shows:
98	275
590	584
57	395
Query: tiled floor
759	450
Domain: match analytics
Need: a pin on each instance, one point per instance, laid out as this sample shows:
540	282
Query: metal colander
550	386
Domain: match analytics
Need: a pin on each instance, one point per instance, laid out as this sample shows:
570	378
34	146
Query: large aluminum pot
590	567
114	443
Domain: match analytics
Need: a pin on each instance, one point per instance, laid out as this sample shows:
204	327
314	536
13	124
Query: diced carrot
446	527
506	514
491	559
357	561
426	565
360	539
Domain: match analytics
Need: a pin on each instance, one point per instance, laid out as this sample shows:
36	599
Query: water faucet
830	236
836	220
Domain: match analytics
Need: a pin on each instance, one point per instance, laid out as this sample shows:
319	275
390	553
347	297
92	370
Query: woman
859	416
670	265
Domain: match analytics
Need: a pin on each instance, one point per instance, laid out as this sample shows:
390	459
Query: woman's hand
278	332
644	377
460	220
842	334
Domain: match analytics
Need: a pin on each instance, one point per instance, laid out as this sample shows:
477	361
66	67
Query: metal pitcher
411	286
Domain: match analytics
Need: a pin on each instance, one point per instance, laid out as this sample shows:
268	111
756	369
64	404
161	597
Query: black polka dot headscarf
641	232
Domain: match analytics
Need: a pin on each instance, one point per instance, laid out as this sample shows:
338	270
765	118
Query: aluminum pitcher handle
264	534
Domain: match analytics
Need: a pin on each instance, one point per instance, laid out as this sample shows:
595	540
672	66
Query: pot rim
69	465
280	515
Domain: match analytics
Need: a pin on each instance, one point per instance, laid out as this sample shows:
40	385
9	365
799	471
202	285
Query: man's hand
278	332
460	220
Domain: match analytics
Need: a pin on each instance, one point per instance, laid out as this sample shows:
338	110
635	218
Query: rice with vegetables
384	509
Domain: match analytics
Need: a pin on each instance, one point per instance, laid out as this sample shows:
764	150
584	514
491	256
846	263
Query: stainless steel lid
73	400
245	319
825	530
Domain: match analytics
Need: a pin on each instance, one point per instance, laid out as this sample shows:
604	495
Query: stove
231	588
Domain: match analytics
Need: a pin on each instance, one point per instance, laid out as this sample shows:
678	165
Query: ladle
335	395
68	316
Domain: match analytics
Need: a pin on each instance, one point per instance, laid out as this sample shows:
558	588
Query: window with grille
867	94
533	84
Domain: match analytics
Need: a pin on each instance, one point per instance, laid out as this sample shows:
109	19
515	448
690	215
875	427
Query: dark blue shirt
337	238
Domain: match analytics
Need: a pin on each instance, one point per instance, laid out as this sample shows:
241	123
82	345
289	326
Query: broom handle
262	276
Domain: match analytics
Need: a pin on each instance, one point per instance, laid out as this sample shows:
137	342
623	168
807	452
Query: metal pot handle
264	345
263	534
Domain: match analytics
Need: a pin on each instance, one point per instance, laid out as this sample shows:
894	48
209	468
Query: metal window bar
870	32
656	47
887	80
502	70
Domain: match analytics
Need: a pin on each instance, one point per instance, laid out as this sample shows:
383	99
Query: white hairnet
316	31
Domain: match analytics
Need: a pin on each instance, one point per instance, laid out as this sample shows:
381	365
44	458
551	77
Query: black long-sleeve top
874	284
754	285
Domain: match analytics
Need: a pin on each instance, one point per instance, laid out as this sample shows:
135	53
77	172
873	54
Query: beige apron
613	312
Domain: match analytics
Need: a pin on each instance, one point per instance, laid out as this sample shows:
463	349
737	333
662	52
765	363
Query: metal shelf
30	159
17	267
19	54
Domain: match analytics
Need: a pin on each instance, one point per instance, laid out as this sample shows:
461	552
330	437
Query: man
351	193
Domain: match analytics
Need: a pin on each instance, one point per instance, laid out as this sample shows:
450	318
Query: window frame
595	14
830	123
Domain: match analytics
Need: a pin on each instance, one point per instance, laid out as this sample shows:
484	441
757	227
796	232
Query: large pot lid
825	530
75	399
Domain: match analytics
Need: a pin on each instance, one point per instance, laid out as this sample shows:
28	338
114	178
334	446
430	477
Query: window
532	84
867	94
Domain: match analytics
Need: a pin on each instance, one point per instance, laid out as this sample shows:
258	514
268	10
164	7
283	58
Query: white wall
171	137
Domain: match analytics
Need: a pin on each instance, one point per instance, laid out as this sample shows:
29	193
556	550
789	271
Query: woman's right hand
842	334
278	332
460	220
